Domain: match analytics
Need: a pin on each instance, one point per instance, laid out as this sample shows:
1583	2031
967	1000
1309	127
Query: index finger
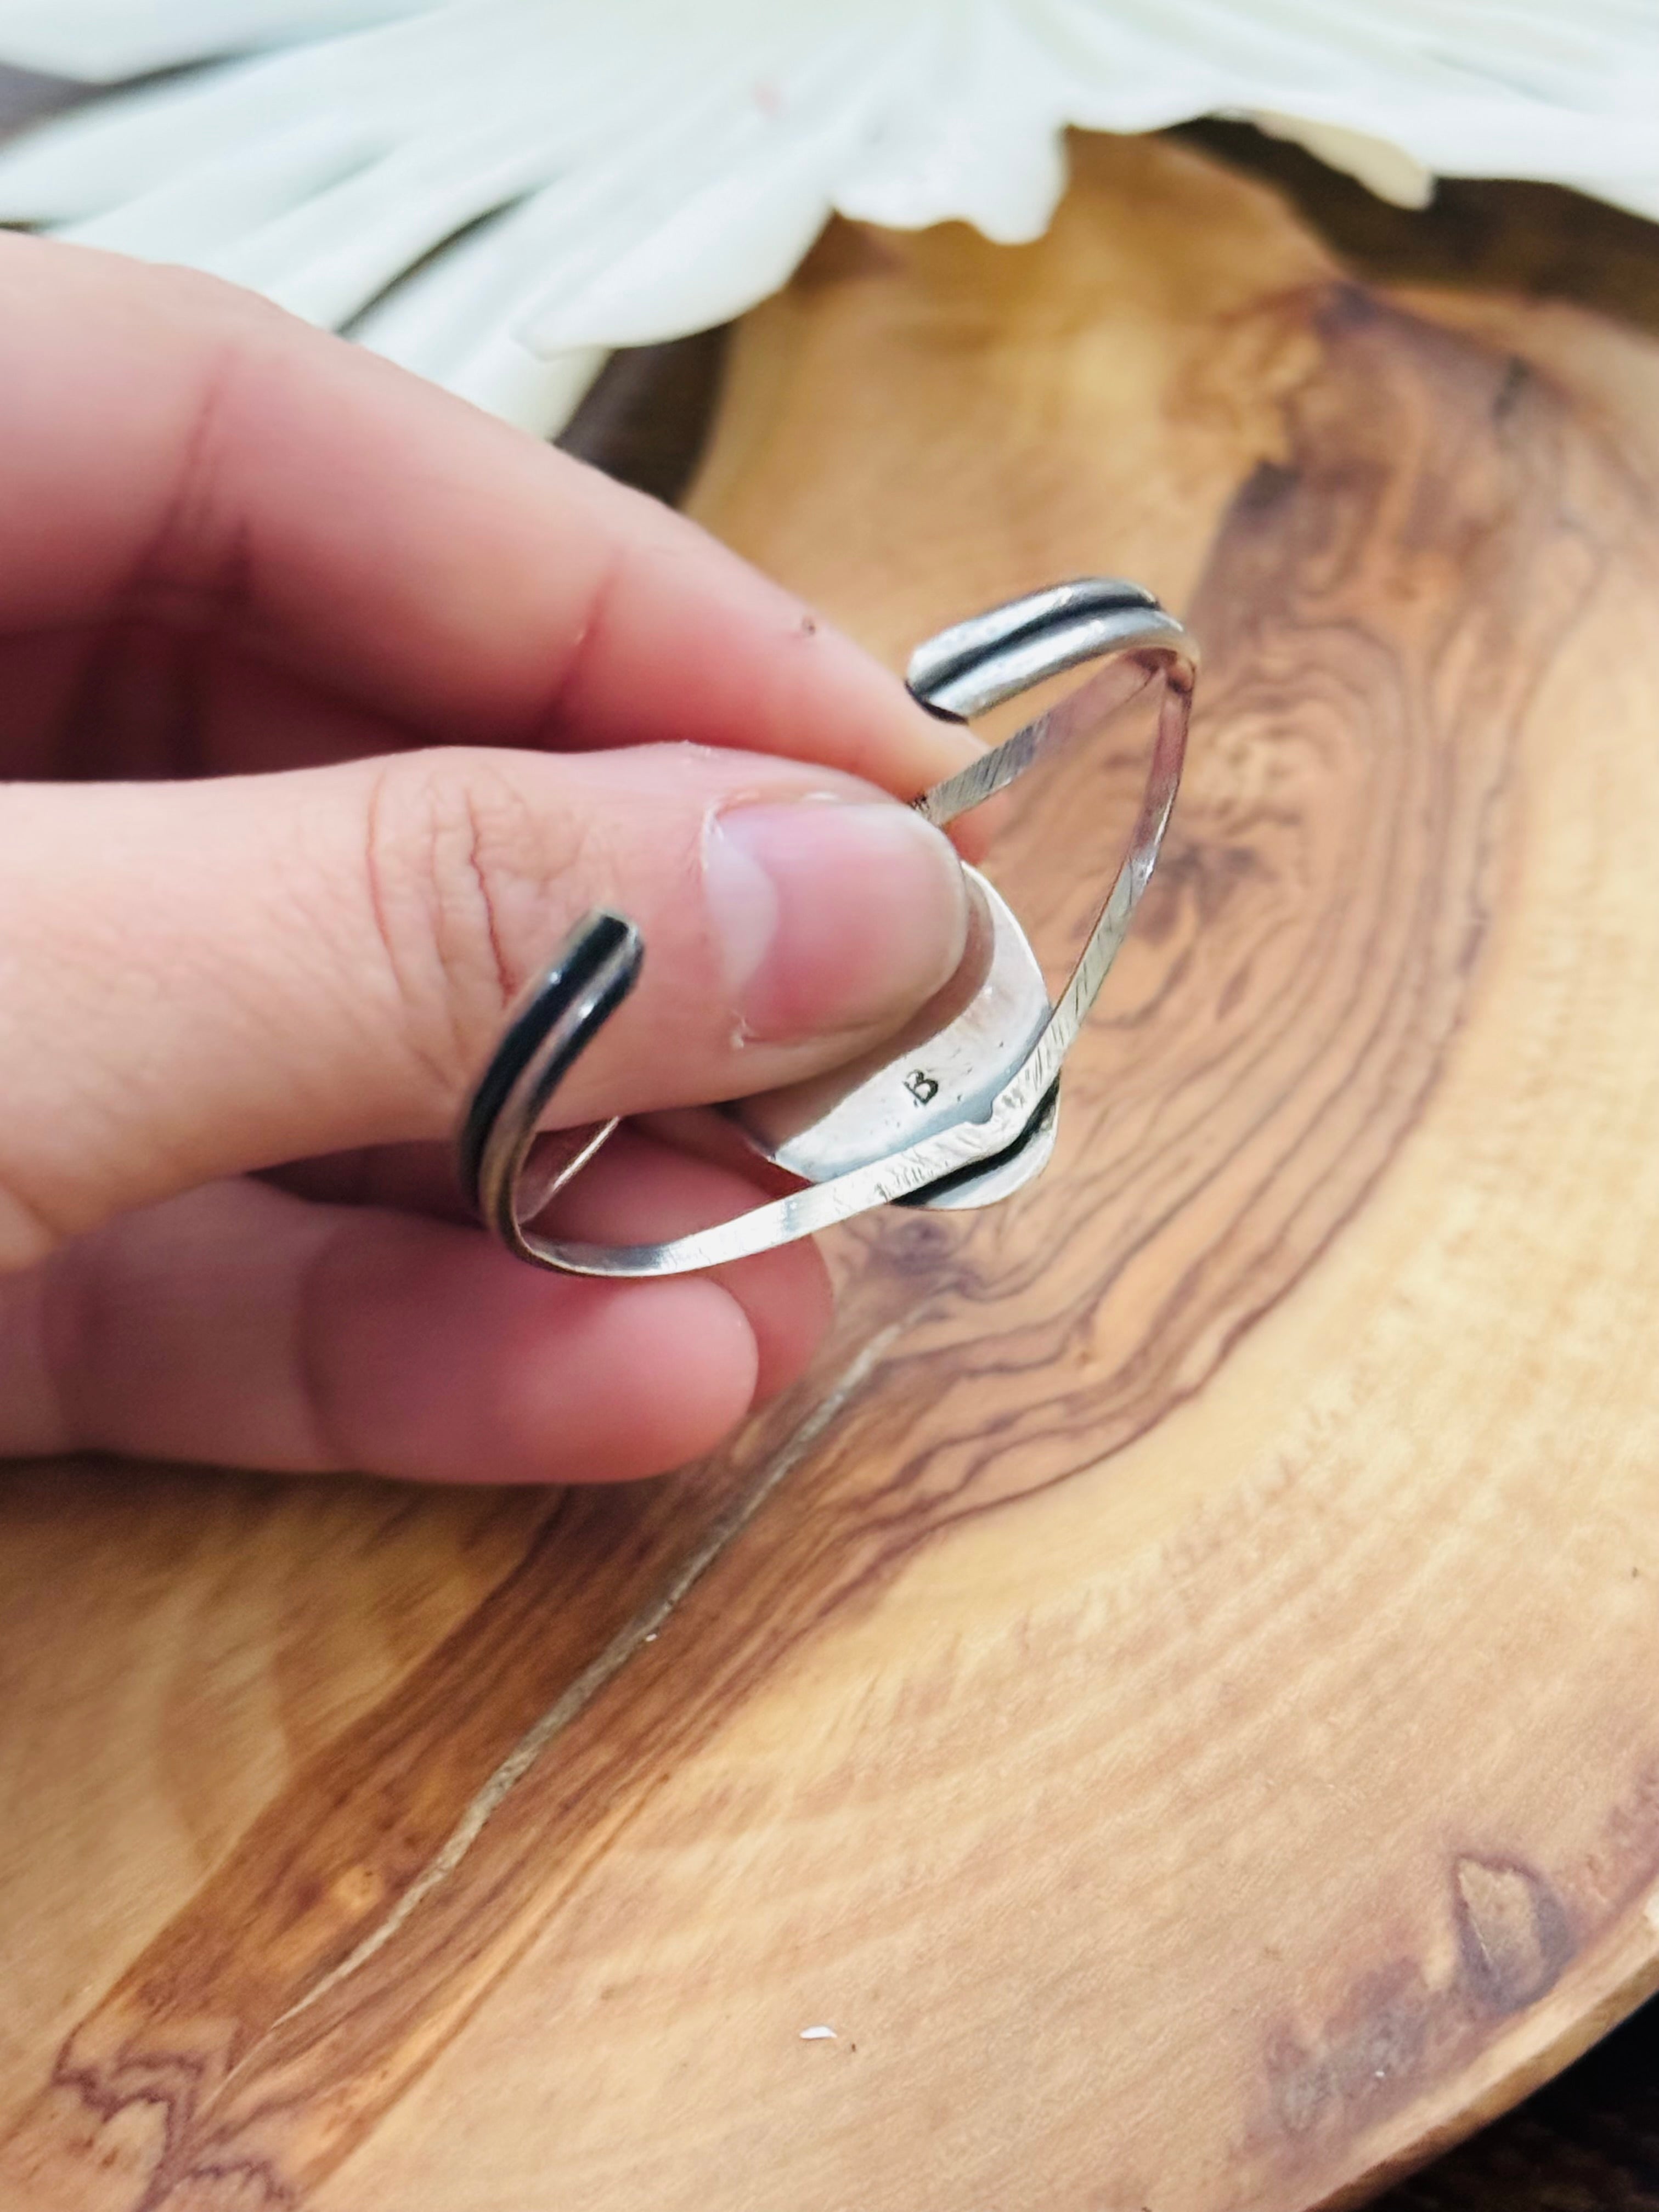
175	445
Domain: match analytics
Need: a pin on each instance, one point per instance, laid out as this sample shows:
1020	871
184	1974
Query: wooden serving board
1174	1692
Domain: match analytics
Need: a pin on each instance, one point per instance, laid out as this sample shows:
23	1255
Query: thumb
209	977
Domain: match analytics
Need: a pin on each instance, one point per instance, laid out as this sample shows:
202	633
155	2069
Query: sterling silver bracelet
958	1111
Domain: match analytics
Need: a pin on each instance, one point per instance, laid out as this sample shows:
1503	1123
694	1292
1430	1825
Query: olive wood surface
1172	1691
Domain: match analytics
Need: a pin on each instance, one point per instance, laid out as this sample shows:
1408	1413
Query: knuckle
460	867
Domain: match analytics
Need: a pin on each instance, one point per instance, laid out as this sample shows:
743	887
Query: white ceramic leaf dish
496	192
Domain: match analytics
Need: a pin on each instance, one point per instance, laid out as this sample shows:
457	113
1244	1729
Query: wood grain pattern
1173	1690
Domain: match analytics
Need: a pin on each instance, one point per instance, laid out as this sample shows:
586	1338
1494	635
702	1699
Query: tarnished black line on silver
939	671
977	1168
555	1019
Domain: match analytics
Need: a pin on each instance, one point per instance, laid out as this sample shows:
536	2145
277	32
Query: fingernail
832	917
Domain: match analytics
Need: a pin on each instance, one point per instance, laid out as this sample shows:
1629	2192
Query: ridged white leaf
494	192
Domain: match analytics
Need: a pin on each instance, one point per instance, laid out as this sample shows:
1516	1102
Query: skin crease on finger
234	544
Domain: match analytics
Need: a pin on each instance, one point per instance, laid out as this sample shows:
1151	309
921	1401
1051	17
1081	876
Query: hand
333	704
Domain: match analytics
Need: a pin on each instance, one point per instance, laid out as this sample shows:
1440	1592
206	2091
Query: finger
177	448
652	1177
205	978
140	701
238	1324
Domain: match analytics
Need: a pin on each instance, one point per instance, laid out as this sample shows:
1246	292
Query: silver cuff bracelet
960	1110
